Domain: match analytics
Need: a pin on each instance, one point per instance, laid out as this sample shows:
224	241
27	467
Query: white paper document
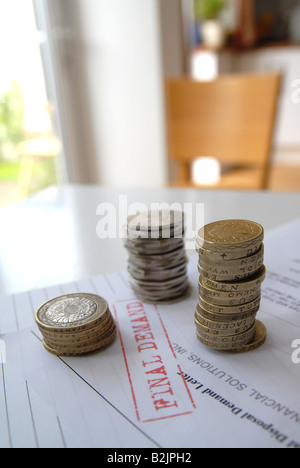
156	386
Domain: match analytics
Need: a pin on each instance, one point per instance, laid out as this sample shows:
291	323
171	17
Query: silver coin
161	274
164	295
156	220
153	246
158	285
156	255
72	311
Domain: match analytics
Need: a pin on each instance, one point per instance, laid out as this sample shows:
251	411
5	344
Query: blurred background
82	95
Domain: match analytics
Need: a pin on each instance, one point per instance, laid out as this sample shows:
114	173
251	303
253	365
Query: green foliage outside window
12	111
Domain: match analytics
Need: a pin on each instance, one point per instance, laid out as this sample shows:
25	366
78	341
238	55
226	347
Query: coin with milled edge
257	341
234	234
227	317
75	324
229	340
233	328
228	254
72	311
73	352
80	337
223	326
211	298
212	292
231	264
219	275
226	269
157	261
228	343
256	280
219	309
231	257
153	246
156	220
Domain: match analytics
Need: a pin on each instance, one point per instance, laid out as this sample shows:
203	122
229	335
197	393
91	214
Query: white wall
119	44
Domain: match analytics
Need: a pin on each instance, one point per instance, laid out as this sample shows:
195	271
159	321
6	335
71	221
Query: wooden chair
231	119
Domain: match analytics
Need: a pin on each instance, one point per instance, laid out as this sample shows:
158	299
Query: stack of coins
157	262
75	324
231	257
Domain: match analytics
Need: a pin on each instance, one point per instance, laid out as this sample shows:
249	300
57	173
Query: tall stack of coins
231	257
75	324
157	263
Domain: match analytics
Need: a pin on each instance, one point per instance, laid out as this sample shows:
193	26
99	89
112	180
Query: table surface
53	237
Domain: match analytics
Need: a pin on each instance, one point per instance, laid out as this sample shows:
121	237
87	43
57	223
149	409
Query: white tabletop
52	237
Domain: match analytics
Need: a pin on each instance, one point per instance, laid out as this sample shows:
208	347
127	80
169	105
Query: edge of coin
257	280
216	246
82	353
70	328
257	342
170	301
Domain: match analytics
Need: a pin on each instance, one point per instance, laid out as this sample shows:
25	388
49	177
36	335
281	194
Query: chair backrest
231	118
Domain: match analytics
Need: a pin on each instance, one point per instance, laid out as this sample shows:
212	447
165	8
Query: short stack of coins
75	324
232	270
157	262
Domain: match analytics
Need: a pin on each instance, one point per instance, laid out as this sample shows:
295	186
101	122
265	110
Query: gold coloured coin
233	330
90	335
227	317
75	324
82	344
229	304
224	275
225	301
73	352
231	264
224	326
210	291
231	257
256	280
232	272
257	341
234	234
71	313
229	341
227	254
229	310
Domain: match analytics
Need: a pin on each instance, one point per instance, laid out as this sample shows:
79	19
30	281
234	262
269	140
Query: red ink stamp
154	374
